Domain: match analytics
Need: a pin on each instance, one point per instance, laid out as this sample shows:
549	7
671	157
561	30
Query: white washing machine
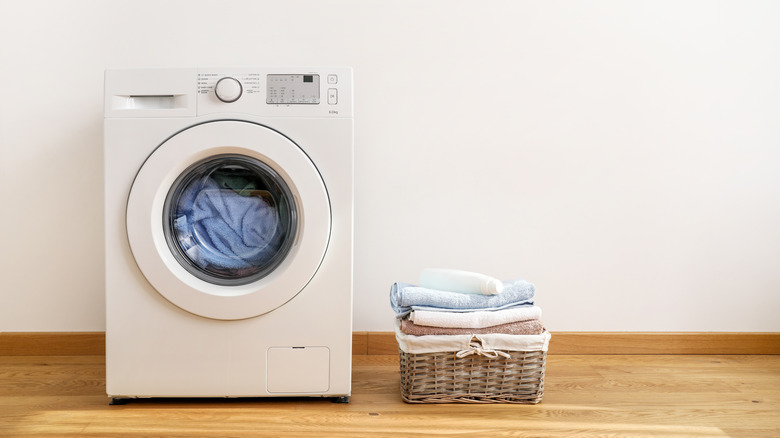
229	206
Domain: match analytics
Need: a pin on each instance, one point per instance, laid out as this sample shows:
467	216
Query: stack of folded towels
449	302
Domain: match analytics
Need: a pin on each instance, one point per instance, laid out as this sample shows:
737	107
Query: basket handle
475	347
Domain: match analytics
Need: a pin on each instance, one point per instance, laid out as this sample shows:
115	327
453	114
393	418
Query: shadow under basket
446	378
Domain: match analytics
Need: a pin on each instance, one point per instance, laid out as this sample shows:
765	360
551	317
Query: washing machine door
228	219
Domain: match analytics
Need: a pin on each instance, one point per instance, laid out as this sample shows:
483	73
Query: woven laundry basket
479	373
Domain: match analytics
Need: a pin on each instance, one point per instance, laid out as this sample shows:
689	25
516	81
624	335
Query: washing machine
229	230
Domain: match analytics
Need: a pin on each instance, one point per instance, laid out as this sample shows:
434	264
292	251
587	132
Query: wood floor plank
585	396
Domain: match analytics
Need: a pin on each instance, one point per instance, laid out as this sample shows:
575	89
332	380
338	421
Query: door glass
230	219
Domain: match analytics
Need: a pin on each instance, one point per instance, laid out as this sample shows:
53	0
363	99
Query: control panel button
333	96
228	89
333	79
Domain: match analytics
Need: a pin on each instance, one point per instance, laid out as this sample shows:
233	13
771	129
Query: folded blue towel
222	230
405	297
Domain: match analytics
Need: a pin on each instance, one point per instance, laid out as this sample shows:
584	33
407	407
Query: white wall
623	156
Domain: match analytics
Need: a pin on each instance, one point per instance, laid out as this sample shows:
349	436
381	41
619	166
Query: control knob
228	89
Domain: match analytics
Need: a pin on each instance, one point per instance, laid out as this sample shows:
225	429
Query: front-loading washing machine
229	229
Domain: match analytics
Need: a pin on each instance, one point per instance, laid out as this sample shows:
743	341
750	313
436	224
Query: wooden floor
631	396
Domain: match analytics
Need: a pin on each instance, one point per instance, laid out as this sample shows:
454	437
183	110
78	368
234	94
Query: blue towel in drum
405	297
221	229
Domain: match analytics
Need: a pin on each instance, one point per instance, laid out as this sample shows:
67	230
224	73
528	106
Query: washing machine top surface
272	92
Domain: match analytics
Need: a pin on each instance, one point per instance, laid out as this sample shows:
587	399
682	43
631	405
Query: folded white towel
446	343
478	319
453	280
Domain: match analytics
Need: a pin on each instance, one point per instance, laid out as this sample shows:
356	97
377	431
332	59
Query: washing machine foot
118	401
344	399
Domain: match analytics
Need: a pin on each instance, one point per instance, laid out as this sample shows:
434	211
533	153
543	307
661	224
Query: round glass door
230	219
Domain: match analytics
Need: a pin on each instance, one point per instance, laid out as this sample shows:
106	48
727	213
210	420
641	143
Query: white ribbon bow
476	348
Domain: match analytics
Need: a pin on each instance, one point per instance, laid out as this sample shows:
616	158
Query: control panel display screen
293	89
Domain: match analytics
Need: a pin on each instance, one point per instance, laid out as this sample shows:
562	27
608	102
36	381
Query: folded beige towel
530	327
490	341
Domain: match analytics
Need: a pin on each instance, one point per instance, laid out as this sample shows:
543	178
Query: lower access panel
298	370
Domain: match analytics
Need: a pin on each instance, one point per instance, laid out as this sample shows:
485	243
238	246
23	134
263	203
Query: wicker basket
475	378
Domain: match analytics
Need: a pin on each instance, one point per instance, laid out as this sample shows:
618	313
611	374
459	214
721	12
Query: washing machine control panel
276	92
293	89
